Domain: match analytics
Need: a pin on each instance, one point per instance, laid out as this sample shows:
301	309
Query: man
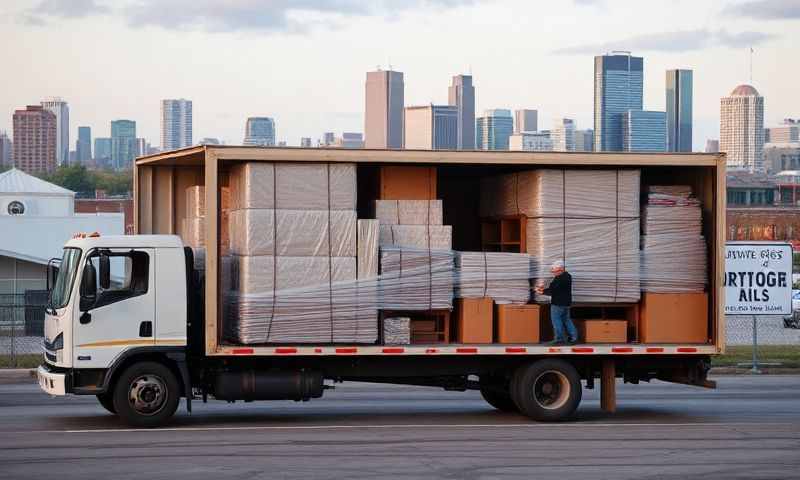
560	292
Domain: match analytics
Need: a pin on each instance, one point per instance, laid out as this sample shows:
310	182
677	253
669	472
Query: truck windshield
59	297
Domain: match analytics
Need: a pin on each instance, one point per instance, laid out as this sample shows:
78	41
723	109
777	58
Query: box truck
210	297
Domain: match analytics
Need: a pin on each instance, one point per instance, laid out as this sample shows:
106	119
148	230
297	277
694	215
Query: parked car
793	320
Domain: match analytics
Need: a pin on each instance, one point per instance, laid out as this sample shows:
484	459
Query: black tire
547	390
107	401
146	395
497	395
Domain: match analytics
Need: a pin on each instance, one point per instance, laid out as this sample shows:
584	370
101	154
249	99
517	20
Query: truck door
122	314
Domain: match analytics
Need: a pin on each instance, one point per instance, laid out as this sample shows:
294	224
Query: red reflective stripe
621	349
347	350
516	350
317	350
242	351
467	350
431	350
686	349
394	350
553	350
655	350
582	349
285	350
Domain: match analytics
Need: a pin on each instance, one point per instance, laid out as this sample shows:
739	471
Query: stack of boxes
193	225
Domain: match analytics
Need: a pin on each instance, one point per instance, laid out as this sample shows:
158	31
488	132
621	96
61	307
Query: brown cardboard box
674	318
604	331
474	320
407	183
517	323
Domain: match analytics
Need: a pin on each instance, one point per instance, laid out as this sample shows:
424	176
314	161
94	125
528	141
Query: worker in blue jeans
560	292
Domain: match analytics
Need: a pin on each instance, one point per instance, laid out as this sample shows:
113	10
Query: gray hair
558	265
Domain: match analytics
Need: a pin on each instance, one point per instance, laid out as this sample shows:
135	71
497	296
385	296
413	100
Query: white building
741	129
526	120
37	218
61	110
431	127
531	142
563	135
176	124
348	140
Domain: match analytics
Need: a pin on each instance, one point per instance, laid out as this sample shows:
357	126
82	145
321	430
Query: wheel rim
551	390
148	394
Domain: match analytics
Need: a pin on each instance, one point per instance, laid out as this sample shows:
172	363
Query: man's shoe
555	342
572	341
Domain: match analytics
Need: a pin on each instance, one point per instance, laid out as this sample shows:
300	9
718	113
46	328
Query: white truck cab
114	298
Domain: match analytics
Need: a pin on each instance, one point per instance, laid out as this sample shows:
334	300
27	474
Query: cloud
679	41
233	15
765	9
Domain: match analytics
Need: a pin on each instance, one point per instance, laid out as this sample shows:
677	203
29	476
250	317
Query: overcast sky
303	62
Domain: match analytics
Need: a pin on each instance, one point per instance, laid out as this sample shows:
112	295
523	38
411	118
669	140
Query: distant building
102	152
259	131
209	141
746	189
741	129
531	142
644	131
788	183
461	94
618	87
102	204
431	127
788	132
282	143
526	120
563	135
35	139
176	123
349	140
712	145
328	139
124	147
583	140
493	129
83	146
6	150
61	110
779	157
305	142
679	110
383	116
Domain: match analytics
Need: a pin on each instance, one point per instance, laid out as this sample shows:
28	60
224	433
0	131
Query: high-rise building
176	124
741	129
431	127
526	120
531	142
6	150
102	152
259	131
124	146
305	142
83	146
712	145
618	86
349	140
35	139
208	141
461	94
788	132
583	140
493	129
383	116
61	110
644	131
679	110
563	135
328	139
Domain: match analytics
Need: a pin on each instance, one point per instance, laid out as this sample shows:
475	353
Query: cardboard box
517	323
474	320
407	183
603	331
674	318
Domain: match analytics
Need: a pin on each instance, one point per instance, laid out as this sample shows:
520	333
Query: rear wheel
547	390
496	394
146	394
107	401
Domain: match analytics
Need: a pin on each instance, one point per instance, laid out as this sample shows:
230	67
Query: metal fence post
755	369
13	339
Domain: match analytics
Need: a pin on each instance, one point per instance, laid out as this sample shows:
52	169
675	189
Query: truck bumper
51	382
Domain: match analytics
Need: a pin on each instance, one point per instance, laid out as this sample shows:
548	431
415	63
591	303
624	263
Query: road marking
406	426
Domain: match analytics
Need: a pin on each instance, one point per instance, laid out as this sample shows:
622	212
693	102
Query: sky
303	62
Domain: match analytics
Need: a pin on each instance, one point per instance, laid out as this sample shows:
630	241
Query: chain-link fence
21	328
777	341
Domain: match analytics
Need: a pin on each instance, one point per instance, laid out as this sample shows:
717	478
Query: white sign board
758	278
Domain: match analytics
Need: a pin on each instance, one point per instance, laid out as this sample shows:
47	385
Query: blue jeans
563	328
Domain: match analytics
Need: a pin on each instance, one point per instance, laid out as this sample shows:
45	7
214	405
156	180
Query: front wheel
547	390
146	395
107	401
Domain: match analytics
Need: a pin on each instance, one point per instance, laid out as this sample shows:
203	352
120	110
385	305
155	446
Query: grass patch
787	355
22	361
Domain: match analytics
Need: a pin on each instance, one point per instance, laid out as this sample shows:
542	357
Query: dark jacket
560	290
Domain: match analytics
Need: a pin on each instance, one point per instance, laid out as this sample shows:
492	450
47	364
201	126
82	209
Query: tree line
85	182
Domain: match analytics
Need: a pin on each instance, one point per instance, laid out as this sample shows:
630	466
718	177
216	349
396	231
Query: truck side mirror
105	271
52	272
88	287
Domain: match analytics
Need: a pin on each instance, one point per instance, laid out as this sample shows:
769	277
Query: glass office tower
679	110
618	85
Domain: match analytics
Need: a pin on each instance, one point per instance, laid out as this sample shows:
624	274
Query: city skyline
711	38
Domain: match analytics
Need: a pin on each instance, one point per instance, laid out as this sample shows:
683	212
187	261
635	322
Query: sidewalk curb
17	375
746	371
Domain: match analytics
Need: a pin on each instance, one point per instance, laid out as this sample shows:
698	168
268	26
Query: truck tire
547	390
146	395
498	396
107	401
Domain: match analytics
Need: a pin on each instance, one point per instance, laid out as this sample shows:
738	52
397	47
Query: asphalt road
748	428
